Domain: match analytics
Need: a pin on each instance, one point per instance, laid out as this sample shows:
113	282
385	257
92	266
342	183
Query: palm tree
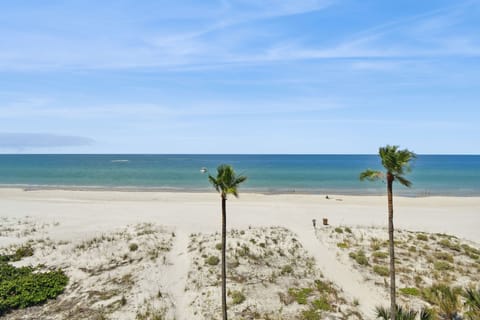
396	162
472	302
225	183
404	313
448	302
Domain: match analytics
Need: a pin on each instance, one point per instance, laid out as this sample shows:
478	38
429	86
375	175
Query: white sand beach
64	216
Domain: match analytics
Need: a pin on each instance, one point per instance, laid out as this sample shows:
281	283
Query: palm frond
426	314
240	179
400	313
226	181
405	314
371	175
397	162
472	302
214	182
403	181
382	313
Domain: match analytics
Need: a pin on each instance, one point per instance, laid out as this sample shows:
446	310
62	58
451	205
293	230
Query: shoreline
319	192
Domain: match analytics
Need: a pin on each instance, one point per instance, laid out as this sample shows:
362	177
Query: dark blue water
455	175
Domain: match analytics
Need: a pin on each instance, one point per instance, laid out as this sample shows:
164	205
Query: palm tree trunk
393	305
224	246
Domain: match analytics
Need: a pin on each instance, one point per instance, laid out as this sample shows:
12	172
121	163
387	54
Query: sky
239	76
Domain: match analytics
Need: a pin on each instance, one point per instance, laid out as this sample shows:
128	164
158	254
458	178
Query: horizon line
236	154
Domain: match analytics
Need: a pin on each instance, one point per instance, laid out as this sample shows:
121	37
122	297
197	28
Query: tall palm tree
226	182
396	162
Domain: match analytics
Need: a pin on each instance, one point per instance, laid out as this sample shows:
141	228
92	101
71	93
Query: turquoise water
456	175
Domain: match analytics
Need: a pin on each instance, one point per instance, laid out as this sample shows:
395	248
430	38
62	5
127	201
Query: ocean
452	175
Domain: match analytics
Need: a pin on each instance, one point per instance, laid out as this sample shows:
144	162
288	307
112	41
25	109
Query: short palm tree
448	301
472	302
404	313
396	162
226	182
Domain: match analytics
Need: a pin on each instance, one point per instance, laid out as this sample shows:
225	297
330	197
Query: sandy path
176	274
348	279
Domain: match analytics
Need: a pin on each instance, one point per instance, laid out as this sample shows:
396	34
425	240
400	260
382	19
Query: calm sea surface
325	174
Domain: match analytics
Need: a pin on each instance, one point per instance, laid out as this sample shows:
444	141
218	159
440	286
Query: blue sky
299	76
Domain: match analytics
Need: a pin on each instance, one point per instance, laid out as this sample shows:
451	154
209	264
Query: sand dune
162	280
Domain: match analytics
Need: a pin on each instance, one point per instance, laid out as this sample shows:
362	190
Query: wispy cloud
134	45
20	141
40	110
433	34
232	33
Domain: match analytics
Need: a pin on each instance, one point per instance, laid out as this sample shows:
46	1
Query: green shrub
443	256
133	247
442	295
321	304
287	269
22	287
218	246
243	251
442	266
360	257
449	245
342	245
324	287
410	291
237	297
300	295
380	254
381	270
347	229
472	255
471	251
21	252
212	260
338	230
375	244
311	314
422	237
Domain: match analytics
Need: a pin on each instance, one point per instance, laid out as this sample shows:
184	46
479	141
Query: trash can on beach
325	221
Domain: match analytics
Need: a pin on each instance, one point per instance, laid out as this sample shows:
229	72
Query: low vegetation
27	286
263	264
21	252
111	275
426	264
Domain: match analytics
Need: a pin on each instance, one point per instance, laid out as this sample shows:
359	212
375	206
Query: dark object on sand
325	221
314	222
